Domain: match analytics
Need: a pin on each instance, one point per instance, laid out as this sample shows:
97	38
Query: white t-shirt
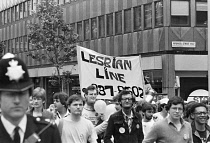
91	115
146	126
78	132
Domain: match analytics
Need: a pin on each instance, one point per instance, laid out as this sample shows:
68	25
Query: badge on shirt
122	130
137	126
186	136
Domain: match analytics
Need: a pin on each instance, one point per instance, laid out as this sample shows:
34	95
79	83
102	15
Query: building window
12	46
79	30
25	9
13	13
21	10
127	21
109	24
21	44
16	45
9	15
94	29
148	16
9	45
30	7
201	12
17	12
25	46
137	18
118	22
159	13
1	21
5	16
86	30
180	13
101	26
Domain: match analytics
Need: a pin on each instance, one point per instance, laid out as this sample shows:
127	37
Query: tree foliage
52	35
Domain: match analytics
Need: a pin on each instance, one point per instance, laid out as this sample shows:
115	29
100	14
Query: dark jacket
118	128
45	114
196	136
50	135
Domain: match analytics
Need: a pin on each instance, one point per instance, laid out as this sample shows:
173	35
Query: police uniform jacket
34	125
196	136
118	128
45	114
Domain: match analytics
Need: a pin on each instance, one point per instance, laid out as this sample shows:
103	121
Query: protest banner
109	74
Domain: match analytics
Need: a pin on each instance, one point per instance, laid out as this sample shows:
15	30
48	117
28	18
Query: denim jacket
118	128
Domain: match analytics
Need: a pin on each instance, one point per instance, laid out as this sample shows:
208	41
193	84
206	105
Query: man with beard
172	129
200	129
74	128
147	113
126	124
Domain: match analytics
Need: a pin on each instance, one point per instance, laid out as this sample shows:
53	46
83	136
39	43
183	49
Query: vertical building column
168	74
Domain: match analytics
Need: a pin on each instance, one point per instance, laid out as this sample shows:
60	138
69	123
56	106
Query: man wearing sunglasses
126	124
200	129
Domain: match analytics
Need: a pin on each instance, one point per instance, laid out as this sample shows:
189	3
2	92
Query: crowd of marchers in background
88	119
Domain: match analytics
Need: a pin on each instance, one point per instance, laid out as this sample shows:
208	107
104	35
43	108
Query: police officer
15	90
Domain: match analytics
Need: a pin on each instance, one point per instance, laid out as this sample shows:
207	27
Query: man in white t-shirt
89	112
147	113
74	128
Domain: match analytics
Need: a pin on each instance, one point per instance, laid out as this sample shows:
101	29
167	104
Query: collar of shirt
129	117
10	127
169	120
59	115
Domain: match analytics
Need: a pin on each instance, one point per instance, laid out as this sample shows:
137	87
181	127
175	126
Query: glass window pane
137	18
25	9
21	44
21	10
109	24
118	22
148	16
201	13
127	21
30	7
180	13
5	16
17	12
159	13
16	45
13	13
8	15
180	8
1	22
86	30
101	26
94	29
79	30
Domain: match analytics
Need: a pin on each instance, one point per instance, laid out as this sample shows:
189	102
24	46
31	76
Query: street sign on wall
183	44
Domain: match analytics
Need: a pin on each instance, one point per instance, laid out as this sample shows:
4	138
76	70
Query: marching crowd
75	118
